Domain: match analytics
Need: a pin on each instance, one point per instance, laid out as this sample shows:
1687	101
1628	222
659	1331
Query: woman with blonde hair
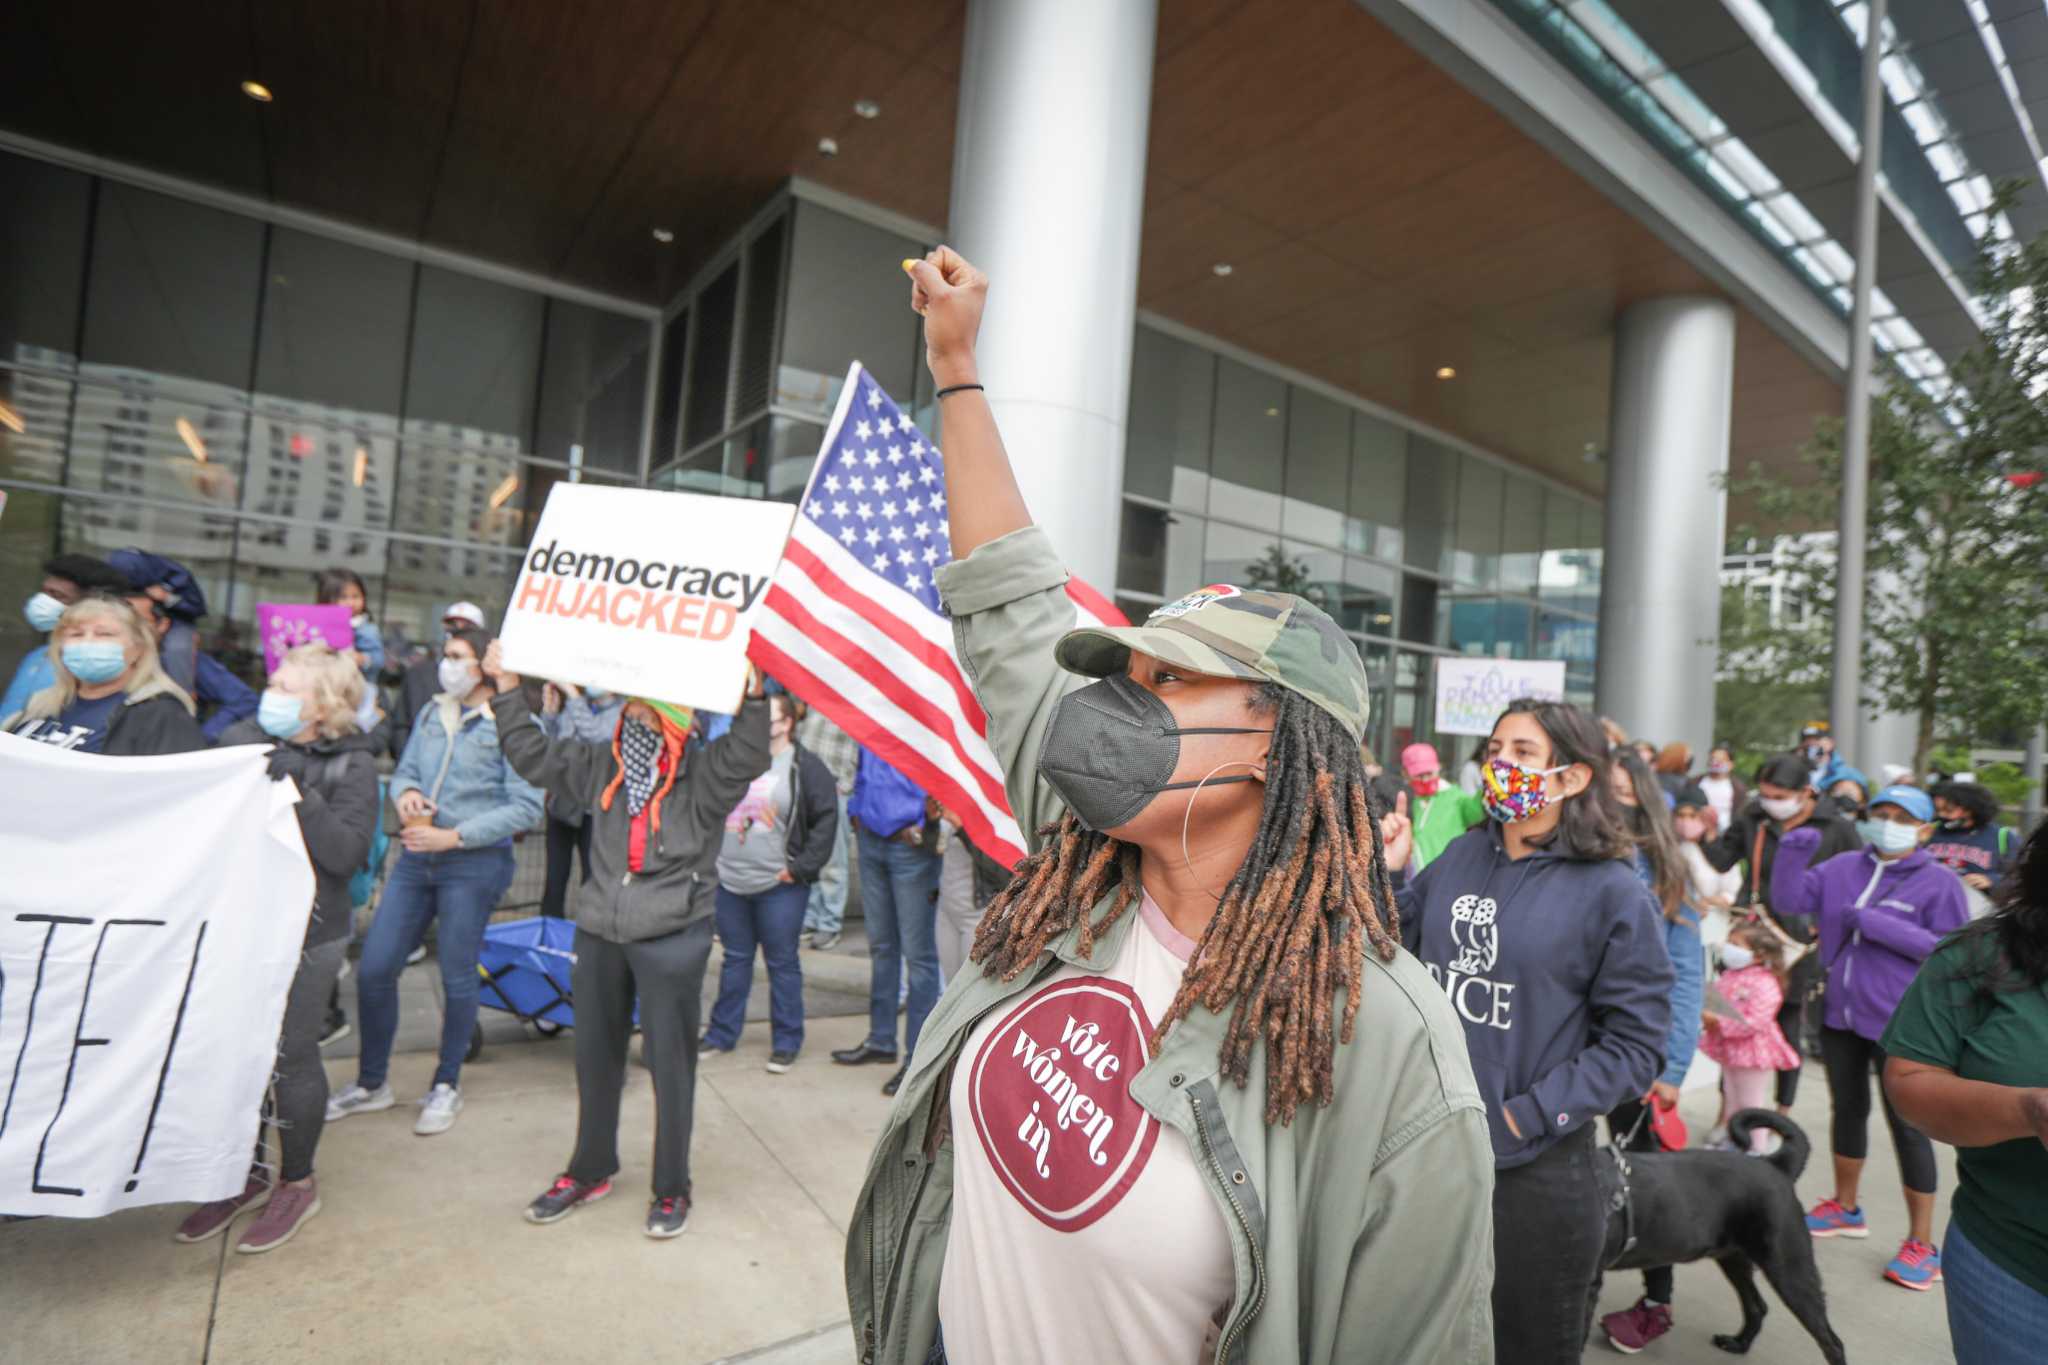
308	717
111	694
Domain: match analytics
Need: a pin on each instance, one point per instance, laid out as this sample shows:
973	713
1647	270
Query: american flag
852	622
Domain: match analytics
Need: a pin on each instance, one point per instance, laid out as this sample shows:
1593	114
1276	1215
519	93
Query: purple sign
284	625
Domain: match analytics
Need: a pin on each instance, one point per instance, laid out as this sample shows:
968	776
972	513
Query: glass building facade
260	402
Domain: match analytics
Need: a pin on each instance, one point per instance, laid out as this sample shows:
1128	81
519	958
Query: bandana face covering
1512	792
639	748
1111	747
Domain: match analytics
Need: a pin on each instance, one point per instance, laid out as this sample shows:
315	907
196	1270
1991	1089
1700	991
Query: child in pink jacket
1752	1049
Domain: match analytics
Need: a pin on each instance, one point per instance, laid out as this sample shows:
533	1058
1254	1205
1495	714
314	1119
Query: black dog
1739	1209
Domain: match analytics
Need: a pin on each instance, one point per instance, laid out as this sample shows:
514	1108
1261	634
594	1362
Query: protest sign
286	625
644	593
1472	692
140	1001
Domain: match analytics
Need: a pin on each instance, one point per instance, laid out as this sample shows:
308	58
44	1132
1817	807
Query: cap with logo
466	611
1420	758
1911	800
1813	729
1229	632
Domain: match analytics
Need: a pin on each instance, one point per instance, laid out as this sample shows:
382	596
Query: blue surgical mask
281	714
1735	957
94	661
42	612
1887	836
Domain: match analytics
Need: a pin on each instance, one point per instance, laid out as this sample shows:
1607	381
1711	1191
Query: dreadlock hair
1291	929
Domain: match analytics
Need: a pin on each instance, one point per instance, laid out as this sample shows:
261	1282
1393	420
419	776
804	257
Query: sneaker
825	941
707	1048
210	1220
417	955
438	1110
289	1208
668	1217
779	1062
564	1197
1630	1330
1830	1219
895	1082
1717	1139
353	1099
1917	1266
336	1030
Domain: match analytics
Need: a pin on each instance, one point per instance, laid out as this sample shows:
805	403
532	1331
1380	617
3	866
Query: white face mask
458	677
1780	807
1735	957
1887	836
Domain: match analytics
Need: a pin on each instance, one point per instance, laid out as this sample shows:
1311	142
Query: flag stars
815	509
889	510
872	537
913	582
931	554
924	530
926	475
857	484
895	454
914	506
874	398
896	535
888	424
905	558
862	430
838	508
938	501
846	535
831	483
881	563
871	459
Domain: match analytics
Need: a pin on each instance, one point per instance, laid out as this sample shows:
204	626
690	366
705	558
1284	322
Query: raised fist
949	293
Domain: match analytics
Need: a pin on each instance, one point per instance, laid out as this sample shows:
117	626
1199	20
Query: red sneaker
1630	1330
211	1220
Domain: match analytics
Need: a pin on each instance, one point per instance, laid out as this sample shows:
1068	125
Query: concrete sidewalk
420	1252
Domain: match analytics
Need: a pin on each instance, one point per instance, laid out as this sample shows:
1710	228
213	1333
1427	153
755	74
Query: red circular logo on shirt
1051	1100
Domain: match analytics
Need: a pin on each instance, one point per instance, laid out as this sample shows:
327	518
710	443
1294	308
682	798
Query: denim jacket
474	789
1361	1232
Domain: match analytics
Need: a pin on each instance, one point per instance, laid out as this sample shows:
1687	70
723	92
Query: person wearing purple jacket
1881	910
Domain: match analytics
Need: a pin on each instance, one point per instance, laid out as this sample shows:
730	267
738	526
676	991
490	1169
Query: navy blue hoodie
1558	970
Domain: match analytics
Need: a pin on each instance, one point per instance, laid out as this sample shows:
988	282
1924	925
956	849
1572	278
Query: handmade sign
644	593
286	625
1472	692
139	1013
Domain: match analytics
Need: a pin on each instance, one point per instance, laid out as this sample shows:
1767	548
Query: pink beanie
1419	758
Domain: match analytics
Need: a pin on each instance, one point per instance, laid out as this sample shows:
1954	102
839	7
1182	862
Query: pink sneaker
289	1208
1630	1330
211	1220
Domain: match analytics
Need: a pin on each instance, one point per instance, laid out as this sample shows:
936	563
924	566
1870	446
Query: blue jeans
826	913
1993	1317
774	919
899	894
460	889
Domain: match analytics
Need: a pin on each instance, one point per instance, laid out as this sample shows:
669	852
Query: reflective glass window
710	360
423	579
1249	559
1166	449
1251	426
845	301
1476	558
172	293
1379	487
760	315
1160	552
668	402
1426	510
203	542
593	388
332	344
475	362
1419	614
31	535
41	403
1318	468
43	214
1524	509
468	494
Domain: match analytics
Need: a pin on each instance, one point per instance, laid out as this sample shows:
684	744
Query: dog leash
1622	1201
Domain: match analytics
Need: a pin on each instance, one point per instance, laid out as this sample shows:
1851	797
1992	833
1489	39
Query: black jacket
416	688
813	815
157	724
338	813
1738	844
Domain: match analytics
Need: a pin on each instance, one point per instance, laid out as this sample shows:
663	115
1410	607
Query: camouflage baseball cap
1231	632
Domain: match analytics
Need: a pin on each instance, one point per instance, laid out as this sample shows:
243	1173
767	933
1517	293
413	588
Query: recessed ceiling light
1222	268
258	91
867	108
1446	372
664	235
1272	412
828	146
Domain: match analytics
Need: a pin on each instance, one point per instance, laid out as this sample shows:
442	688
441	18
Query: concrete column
1048	195
1660	595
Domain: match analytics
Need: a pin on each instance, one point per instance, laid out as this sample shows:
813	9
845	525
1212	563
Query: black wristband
956	388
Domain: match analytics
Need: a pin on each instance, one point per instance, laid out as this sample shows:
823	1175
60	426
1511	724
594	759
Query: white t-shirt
1720	794
1082	1230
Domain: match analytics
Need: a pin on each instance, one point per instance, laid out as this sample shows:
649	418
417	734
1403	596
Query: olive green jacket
1361	1232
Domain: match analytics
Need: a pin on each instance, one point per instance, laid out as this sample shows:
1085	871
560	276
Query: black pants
1657	1280
563	840
1850	1059
1790	1020
1549	1228
667	976
299	1091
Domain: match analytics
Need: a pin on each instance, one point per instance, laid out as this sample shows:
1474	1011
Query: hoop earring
1188	816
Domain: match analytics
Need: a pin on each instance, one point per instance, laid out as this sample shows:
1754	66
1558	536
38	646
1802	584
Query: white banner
1472	692
152	912
644	593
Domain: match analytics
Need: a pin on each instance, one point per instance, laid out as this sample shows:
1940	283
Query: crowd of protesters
1336	1042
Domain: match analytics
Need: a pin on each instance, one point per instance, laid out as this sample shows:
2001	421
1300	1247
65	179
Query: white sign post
644	593
1472	692
152	913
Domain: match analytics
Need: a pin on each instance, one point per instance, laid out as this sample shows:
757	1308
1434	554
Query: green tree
1278	571
1956	597
1772	679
